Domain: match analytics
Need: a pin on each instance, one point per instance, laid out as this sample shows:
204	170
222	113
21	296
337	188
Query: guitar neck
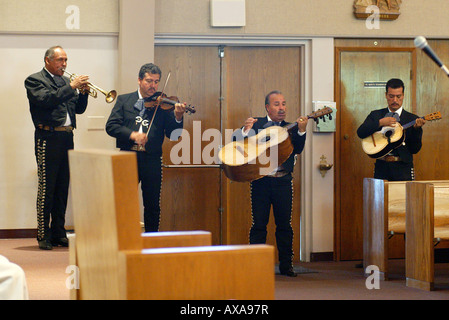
314	115
294	125
291	126
412	123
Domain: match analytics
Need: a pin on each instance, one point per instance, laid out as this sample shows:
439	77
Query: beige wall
50	16
136	40
21	55
282	17
333	18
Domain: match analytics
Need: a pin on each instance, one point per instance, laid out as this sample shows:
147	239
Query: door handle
346	136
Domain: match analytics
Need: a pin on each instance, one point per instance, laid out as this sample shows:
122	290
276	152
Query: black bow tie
271	124
393	114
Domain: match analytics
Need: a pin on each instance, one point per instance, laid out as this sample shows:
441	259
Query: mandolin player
397	165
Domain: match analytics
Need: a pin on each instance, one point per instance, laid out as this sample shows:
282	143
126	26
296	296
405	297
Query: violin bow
165	84
159	102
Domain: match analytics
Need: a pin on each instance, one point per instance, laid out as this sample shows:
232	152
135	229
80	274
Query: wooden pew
427	224
113	261
384	207
150	240
176	239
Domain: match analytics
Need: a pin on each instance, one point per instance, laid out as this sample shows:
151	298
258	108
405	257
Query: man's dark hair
267	97
149	68
50	53
394	84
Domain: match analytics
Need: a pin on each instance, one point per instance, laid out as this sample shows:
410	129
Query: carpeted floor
343	281
44	269
46	277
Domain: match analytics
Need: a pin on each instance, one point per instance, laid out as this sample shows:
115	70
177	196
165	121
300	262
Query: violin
165	103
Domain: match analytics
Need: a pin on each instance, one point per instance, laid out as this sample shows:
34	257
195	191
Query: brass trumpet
110	96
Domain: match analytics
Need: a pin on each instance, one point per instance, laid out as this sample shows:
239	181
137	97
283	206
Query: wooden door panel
356	102
195	79
433	95
251	73
190	198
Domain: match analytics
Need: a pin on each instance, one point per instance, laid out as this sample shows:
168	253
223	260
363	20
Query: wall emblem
385	9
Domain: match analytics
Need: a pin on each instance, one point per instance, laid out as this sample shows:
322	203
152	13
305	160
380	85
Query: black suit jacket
298	141
49	104
124	119
413	137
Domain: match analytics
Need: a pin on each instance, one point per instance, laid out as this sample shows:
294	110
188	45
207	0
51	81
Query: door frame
305	44
338	51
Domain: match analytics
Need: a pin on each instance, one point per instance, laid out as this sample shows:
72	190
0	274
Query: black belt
49	128
279	174
390	158
137	147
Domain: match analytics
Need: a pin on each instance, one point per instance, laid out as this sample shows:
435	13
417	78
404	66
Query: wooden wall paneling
432	161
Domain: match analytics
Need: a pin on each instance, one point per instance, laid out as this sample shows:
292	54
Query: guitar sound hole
265	139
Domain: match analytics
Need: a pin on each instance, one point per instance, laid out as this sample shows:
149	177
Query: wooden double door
226	85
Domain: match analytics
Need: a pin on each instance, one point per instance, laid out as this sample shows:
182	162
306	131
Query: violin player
140	129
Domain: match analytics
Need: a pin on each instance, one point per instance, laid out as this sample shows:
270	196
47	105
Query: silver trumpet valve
110	95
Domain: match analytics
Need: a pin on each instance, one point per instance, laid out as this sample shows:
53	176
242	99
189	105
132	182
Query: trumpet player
54	102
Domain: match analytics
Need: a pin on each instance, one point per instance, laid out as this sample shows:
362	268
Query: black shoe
45	245
288	272
63	242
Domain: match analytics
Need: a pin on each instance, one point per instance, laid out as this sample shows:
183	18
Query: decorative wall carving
387	9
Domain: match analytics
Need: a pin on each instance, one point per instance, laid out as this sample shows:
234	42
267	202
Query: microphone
421	42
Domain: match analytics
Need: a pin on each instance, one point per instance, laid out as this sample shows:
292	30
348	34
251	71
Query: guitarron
257	156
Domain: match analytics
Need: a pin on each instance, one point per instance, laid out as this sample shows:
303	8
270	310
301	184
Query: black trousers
394	171
150	178
51	151
270	192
